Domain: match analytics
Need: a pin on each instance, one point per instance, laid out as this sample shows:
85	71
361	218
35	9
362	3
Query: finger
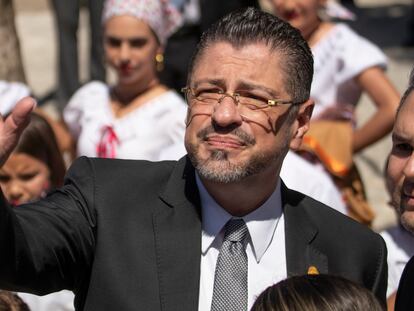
20	116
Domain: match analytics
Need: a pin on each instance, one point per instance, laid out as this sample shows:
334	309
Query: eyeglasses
204	100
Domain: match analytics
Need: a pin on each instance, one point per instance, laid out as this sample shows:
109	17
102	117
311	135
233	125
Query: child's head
316	293
35	166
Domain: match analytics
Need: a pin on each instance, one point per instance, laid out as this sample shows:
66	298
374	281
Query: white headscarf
162	17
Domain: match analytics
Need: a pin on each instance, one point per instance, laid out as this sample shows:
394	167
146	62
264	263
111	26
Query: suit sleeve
48	245
379	287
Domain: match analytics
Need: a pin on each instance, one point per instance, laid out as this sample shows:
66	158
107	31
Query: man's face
400	169
223	145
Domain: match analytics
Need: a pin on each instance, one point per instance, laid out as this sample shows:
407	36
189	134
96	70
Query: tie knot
235	230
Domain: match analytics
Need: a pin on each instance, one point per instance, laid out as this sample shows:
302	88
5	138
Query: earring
159	62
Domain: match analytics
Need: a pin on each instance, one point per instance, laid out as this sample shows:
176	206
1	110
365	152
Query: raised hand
13	125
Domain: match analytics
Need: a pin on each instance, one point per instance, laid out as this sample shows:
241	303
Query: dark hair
38	140
11	302
316	293
248	26
408	91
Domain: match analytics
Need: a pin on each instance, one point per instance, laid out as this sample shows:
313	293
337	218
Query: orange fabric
333	165
331	142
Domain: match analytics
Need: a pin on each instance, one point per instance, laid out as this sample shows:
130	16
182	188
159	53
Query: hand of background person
12	126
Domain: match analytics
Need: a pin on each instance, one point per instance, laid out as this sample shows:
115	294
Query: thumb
13	125
19	118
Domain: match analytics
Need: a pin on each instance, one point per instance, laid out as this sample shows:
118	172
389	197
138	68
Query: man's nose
226	112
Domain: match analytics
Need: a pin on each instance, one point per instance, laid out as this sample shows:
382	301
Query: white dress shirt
400	247
265	249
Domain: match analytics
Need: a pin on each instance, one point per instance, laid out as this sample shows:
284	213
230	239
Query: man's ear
301	123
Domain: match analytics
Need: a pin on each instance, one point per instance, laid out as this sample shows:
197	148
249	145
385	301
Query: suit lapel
177	229
302	257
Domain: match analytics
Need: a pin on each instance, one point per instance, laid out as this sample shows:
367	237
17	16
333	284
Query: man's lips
224	142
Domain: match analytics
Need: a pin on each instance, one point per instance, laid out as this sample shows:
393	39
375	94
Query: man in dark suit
216	227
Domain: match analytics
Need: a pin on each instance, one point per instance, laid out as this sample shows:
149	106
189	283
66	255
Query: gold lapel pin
313	270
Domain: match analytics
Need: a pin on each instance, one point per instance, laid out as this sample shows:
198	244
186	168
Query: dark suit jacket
127	235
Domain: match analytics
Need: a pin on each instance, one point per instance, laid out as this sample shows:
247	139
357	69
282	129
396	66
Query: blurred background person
318	292
67	20
36	165
11	66
137	117
346	65
33	169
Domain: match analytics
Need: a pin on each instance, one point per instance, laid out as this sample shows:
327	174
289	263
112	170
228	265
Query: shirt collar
261	223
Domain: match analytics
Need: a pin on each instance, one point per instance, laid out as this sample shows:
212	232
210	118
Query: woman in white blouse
345	66
138	117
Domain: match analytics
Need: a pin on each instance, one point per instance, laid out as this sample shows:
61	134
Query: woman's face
130	49
301	14
24	178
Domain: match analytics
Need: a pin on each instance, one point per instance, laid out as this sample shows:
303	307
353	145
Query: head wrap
162	17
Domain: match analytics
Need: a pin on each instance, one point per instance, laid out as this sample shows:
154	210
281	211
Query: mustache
245	138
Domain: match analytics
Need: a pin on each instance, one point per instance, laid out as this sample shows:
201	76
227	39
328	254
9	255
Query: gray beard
217	167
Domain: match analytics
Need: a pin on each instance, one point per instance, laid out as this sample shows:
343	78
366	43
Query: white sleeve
304	177
10	94
85	100
175	131
356	54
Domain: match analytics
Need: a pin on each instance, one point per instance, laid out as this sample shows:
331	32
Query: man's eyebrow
248	86
218	82
244	85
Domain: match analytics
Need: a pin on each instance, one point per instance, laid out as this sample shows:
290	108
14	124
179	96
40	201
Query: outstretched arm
46	245
385	97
